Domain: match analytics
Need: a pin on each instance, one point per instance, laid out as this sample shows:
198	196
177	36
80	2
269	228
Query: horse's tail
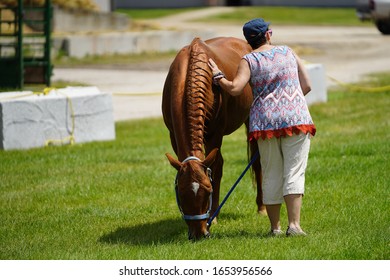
199	102
252	149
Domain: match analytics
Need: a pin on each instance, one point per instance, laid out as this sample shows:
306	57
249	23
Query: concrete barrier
72	114
85	21
317	78
74	45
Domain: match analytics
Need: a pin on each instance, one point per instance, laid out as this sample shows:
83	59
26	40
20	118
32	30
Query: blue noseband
193	217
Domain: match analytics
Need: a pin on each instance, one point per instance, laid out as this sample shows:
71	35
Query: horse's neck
199	98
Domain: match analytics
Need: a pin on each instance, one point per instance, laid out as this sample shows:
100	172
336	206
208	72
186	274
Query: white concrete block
317	78
76	20
29	121
129	42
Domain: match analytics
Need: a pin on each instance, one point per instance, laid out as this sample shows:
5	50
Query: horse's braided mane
198	93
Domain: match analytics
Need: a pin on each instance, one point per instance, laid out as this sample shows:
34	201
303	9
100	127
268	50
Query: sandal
295	232
275	233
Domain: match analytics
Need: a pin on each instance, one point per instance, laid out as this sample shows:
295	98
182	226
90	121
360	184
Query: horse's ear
211	157
174	162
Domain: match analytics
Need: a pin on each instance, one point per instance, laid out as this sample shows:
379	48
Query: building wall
200	3
306	3
104	5
160	4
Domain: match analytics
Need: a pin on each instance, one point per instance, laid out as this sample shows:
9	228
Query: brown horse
198	114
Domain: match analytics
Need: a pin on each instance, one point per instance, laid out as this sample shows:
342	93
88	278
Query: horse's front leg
217	170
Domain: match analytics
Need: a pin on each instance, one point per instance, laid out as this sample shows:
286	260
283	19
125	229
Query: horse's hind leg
256	168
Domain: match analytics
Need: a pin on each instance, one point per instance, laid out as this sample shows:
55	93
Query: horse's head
194	190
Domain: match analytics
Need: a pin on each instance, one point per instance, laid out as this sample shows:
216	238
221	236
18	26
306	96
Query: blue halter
193	217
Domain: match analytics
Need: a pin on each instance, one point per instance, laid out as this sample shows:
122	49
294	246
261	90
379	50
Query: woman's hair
254	32
257	41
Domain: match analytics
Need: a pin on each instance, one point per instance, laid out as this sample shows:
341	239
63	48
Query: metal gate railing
25	56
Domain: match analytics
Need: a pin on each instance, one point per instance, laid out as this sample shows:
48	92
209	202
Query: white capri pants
283	164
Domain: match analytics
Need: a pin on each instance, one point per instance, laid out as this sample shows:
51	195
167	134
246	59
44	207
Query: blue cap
254	28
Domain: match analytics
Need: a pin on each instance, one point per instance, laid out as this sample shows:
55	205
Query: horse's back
227	52
228	46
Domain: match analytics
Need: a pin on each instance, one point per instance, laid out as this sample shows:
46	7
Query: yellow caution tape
124	94
353	87
45	91
68	139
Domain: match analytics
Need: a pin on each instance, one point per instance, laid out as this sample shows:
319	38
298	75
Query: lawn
115	200
141	14
293	16
277	15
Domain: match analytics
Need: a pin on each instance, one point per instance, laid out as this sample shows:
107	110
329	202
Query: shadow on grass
164	231
236	231
167	231
240	233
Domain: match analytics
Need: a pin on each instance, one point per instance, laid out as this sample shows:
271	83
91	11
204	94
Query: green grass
152	13
115	200
293	16
40	87
277	15
113	59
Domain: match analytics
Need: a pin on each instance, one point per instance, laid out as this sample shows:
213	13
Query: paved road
348	53
136	94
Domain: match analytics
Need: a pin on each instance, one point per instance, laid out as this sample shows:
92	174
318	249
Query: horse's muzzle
193	237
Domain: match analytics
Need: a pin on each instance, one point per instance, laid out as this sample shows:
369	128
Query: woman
279	120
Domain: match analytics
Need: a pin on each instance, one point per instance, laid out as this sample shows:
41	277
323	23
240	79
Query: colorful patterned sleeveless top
279	107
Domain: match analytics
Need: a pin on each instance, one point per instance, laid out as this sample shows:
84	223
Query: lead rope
255	156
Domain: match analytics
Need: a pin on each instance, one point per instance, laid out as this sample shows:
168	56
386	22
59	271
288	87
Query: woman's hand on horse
213	67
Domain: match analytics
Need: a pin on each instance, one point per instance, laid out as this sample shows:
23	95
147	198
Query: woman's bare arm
303	76
242	77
